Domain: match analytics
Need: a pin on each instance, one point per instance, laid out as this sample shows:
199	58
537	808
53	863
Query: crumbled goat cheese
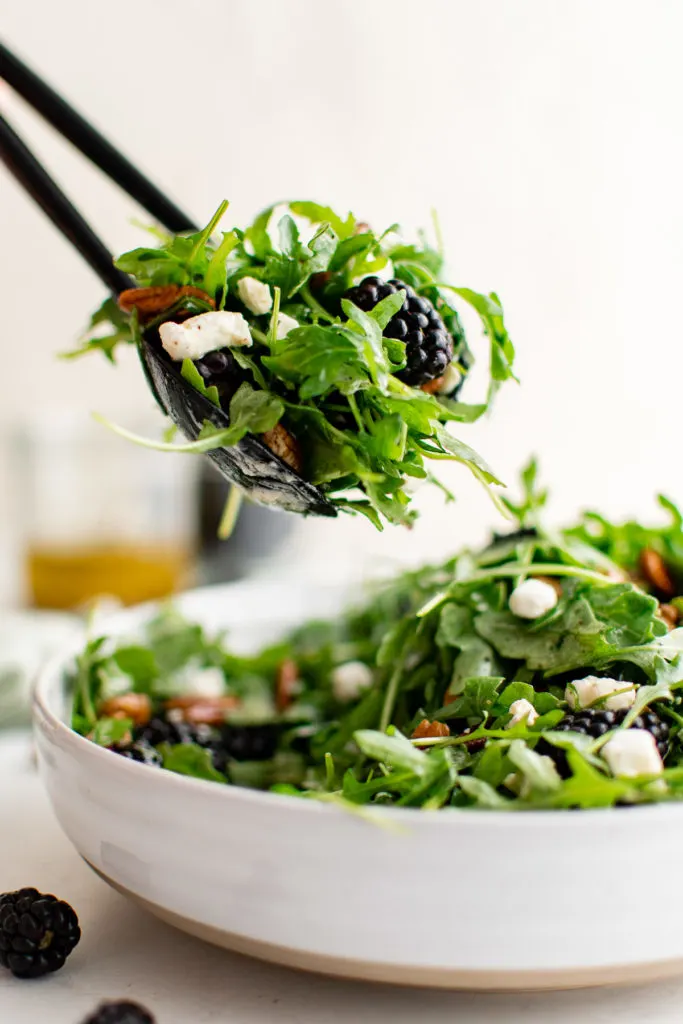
285	324
633	752
255	295
204	333
350	679
582	693
522	711
532	598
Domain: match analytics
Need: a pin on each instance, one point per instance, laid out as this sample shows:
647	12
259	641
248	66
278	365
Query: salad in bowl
541	671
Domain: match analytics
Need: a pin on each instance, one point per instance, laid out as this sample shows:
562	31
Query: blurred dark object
258	534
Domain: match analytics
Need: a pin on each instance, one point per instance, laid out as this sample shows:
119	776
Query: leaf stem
315	306
356	413
272	334
230	513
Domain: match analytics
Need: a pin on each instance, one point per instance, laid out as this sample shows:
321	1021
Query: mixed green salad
544	670
341	349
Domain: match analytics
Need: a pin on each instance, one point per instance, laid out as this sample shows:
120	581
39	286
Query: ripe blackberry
37	932
169	727
219	369
250	742
429	346
595	722
142	752
120	1013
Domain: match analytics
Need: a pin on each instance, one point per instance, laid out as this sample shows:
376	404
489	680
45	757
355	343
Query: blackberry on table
120	1013
429	346
37	932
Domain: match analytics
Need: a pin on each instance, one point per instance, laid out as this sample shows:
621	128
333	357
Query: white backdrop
547	134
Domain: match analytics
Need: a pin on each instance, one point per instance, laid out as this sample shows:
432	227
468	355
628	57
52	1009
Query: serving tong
250	464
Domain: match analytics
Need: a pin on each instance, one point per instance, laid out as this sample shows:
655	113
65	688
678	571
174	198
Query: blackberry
142	752
37	932
595	722
250	742
120	1013
429	346
169	727
219	369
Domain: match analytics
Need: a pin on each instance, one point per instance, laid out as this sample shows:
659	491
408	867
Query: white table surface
126	953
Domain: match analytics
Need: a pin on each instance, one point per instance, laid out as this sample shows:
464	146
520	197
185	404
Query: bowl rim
381	816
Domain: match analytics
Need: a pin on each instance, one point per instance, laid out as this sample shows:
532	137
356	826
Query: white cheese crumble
522	710
204	333
350	679
255	295
633	752
532	598
285	324
450	380
582	693
202	682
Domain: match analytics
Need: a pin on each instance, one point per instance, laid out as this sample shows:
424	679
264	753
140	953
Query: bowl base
416	976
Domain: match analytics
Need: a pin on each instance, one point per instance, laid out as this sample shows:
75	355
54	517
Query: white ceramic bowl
461	899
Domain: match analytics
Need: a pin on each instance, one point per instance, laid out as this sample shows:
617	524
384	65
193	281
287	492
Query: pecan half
197	710
432	386
654	570
286	683
151	301
427	730
670	614
284	445
319	280
136	706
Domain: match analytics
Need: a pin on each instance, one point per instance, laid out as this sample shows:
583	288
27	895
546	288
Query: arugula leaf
109	732
190	759
391	750
477	699
139	663
318	359
192	375
324	214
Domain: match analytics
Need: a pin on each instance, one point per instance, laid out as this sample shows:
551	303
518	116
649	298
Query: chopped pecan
432	386
136	706
427	730
198	710
284	445
670	614
657	575
286	683
319	280
151	301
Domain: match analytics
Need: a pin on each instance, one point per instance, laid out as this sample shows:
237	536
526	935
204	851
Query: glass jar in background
100	516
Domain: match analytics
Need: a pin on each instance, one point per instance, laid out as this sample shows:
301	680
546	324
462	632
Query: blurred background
545	134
